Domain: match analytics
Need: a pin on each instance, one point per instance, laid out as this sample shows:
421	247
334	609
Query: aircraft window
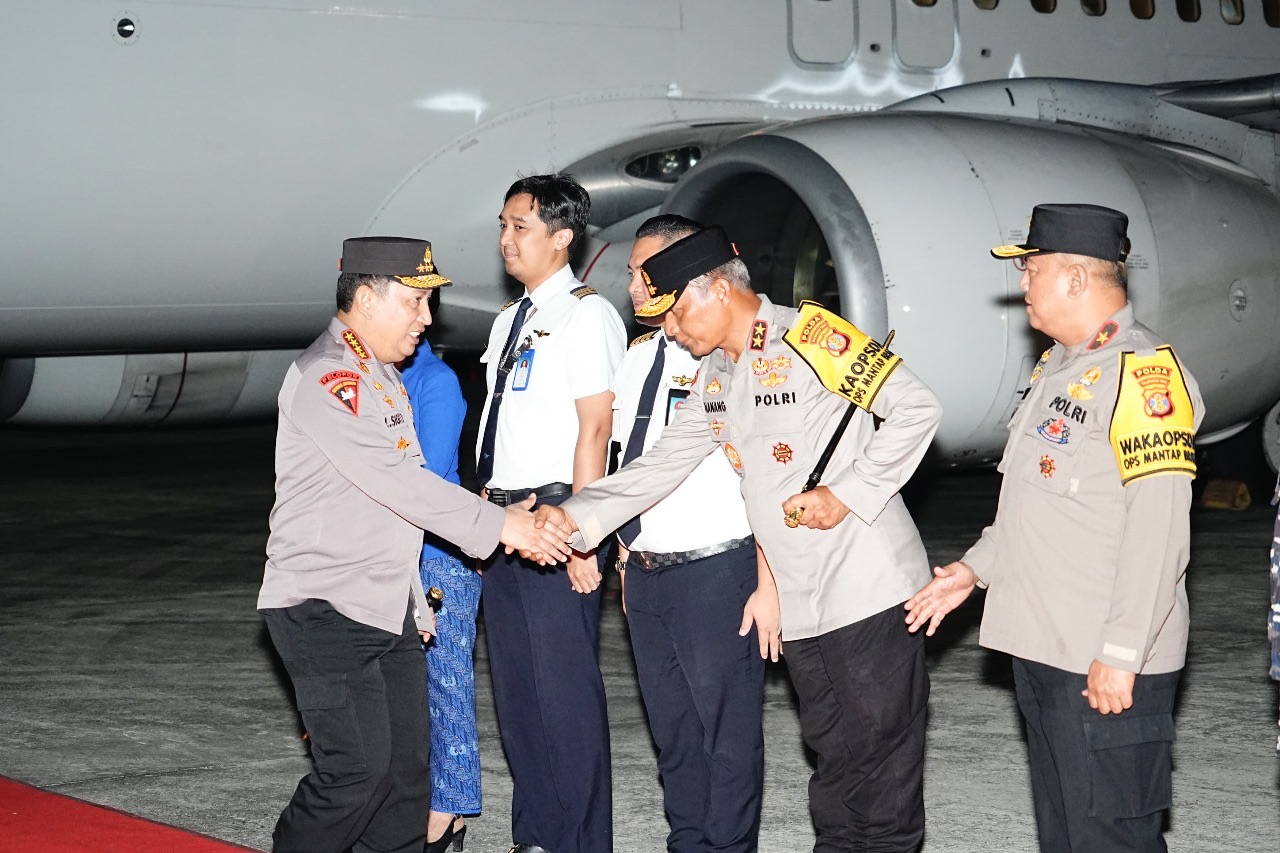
1271	11
925	3
1045	6
1143	9
1189	10
665	166
986	4
1232	10
1094	8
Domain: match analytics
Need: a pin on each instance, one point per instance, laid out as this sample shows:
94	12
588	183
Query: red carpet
35	821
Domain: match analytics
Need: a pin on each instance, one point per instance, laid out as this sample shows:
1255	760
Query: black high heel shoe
450	836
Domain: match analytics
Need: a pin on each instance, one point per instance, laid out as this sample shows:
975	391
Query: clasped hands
543	535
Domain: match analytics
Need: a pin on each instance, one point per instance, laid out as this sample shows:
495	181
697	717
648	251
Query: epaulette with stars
646	336
583	292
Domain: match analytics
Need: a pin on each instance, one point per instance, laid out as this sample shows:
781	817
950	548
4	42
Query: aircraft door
822	32
925	32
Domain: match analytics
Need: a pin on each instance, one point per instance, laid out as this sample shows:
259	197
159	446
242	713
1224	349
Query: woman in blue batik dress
438	411
1273	620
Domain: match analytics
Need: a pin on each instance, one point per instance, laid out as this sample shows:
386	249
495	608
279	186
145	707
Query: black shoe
450	836
528	848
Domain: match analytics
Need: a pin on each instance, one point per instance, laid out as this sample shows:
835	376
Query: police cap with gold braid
1073	229
668	272
405	259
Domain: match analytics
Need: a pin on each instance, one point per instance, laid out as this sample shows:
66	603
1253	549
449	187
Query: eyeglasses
1020	263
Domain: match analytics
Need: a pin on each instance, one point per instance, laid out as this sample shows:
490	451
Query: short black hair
669	227
350	282
561	201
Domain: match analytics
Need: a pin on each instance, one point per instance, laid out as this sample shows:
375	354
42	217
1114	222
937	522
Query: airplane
179	176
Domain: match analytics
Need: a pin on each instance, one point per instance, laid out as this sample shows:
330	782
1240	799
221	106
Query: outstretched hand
949	588
537	537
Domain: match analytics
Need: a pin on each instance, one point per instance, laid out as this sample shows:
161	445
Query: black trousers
1099	783
863	693
703	689
547	689
361	694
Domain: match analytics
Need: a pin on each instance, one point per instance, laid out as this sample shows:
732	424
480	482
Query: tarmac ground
136	673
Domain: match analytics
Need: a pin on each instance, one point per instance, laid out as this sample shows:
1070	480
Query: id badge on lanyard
524	367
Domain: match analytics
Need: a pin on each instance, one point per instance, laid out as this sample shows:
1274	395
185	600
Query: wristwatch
619	564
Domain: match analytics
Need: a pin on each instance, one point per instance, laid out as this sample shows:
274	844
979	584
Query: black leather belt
507	497
651	560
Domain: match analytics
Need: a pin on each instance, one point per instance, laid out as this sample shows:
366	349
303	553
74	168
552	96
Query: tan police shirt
770	417
352	497
1080	567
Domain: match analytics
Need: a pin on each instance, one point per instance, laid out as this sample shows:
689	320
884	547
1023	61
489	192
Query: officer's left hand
1109	690
584	573
822	510
762	610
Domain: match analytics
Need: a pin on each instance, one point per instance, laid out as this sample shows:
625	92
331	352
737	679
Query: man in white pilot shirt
701	604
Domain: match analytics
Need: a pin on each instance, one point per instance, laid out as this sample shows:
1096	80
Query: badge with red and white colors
734	459
760	366
782	452
716	428
1047	466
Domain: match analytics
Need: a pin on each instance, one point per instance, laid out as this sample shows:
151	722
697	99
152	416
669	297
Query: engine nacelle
142	390
891	216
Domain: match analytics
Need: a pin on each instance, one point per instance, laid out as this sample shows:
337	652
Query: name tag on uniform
675	397
524	367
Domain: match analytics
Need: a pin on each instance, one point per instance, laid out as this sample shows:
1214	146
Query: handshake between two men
542	536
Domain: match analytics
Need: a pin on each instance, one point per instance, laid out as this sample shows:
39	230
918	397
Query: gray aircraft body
179	175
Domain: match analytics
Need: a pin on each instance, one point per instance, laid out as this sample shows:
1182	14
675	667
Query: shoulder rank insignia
355	344
847	361
759	335
1104	334
583	292
1153	425
642	338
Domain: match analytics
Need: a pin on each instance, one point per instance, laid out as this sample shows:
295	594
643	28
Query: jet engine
888	217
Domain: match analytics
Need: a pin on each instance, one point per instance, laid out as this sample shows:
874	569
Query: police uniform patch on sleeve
847	362
1153	426
583	292
646	336
347	392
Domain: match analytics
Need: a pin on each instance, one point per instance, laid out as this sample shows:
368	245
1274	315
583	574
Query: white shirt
572	348
707	508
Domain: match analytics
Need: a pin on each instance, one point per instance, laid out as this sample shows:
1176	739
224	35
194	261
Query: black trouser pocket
325	706
1130	764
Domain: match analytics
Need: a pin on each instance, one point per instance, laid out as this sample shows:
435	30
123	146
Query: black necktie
484	465
635	443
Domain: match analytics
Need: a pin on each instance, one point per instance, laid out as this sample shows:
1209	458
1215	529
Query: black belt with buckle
507	497
651	560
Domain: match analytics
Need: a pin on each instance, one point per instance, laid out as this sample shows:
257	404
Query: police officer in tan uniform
341	594
1085	563
845	555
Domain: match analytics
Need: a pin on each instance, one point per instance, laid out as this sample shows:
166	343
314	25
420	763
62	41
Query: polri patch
339	374
347	392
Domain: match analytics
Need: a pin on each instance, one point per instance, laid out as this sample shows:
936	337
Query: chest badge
773	380
388	401
377	386
782	452
760	366
402	443
782	362
1047	466
1056	430
683	381
1080	390
716	428
714	387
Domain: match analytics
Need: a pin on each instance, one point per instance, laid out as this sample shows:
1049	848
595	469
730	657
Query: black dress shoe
528	848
